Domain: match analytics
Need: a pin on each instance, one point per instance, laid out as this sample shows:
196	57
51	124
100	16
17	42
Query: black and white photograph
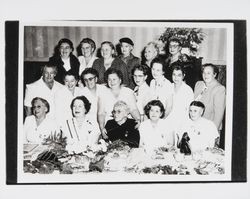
124	99
148	101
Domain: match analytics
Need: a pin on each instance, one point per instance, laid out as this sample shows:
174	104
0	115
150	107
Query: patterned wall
39	41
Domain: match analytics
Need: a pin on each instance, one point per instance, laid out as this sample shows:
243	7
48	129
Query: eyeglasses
89	79
116	112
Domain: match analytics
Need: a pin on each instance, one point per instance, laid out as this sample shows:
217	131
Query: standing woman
212	94
64	97
182	97
151	51
87	57
64	59
109	60
114	93
160	87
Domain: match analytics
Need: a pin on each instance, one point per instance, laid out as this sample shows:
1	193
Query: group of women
153	94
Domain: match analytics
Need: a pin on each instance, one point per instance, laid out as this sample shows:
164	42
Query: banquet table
45	159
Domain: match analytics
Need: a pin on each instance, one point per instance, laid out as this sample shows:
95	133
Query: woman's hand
104	133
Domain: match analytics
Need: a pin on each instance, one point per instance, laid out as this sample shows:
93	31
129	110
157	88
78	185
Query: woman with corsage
81	132
38	126
154	132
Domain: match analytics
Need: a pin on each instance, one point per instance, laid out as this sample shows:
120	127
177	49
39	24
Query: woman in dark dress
121	127
64	59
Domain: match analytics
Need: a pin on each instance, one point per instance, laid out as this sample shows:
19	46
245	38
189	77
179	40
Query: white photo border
119	177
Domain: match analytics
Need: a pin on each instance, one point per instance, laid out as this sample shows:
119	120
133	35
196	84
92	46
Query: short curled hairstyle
160	61
65	40
112	71
123	104
89	71
154	45
88	41
111	46
49	65
85	101
143	68
198	104
70	73
44	101
215	68
154	103
177	66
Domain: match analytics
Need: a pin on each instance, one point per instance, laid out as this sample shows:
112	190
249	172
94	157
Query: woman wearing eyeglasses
174	49
92	90
122	127
64	59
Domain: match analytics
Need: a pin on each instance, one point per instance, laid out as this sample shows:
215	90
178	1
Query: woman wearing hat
64	59
127	46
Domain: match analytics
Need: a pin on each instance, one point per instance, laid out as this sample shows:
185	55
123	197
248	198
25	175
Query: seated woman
81	132
154	133
202	132
64	97
64	59
115	92
121	127
38	126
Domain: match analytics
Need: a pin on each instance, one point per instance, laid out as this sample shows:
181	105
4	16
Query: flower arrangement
189	37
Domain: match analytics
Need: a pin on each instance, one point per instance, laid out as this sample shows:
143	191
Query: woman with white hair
121	127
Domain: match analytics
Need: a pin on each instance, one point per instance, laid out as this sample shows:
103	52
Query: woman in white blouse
160	87
201	131
64	97
182	97
154	132
38	126
81	132
86	55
